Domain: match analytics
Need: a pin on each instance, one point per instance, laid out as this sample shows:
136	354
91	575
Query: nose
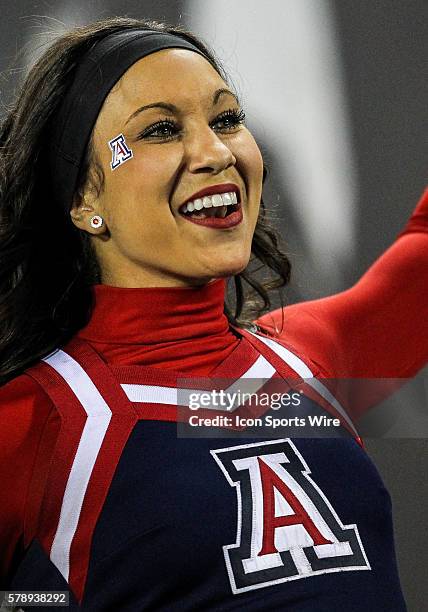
206	152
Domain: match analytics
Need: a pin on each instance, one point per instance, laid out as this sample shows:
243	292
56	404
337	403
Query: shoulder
303	329
22	386
24	411
23	398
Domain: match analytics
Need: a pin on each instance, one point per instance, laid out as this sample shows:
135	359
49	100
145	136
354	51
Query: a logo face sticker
120	151
286	527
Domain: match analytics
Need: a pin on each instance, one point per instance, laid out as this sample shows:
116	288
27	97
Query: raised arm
379	327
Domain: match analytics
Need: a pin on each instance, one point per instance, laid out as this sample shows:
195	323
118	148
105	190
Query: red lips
219	222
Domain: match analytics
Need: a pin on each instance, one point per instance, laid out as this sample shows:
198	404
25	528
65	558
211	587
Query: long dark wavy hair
47	265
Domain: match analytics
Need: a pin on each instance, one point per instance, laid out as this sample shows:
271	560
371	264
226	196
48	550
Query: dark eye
161	129
230	119
167	128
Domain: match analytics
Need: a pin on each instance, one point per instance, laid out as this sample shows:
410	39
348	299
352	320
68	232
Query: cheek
153	174
140	187
136	201
250	166
249	162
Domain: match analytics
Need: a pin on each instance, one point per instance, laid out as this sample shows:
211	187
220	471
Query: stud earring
96	221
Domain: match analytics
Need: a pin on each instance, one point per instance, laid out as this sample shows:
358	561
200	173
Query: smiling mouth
218	205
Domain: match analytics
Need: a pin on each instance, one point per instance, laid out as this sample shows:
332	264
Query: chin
231	268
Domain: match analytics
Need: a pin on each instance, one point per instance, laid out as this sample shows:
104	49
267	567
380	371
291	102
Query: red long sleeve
379	327
26	417
376	329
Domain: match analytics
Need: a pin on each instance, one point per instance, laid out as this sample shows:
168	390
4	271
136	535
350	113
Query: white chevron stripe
303	371
151	394
258	374
290	358
97	422
327	395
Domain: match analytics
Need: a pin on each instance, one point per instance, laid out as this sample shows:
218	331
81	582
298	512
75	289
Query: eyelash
236	116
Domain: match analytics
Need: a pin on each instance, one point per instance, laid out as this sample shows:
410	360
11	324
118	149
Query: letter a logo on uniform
120	151
287	528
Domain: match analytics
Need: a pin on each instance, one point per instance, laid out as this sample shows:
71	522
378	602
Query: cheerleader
131	191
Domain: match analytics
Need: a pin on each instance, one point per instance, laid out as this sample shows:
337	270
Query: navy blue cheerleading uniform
179	523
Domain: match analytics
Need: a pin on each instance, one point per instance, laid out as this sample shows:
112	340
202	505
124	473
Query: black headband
99	70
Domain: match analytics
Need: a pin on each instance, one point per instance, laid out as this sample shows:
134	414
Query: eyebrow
174	109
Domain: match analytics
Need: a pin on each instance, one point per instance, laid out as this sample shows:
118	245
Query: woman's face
190	138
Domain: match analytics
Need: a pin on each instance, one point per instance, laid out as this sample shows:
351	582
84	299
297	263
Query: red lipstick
217	222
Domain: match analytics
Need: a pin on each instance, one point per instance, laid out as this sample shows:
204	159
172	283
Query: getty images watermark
229	402
255	408
307	408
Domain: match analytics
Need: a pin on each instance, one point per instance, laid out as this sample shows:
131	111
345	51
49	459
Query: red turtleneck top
378	328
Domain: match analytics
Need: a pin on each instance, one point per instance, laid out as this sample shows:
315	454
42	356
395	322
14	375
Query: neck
178	328
153	315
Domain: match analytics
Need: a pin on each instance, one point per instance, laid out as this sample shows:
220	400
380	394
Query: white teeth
224	199
217	200
227	199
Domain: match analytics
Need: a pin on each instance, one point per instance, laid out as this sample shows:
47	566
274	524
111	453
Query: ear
81	213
